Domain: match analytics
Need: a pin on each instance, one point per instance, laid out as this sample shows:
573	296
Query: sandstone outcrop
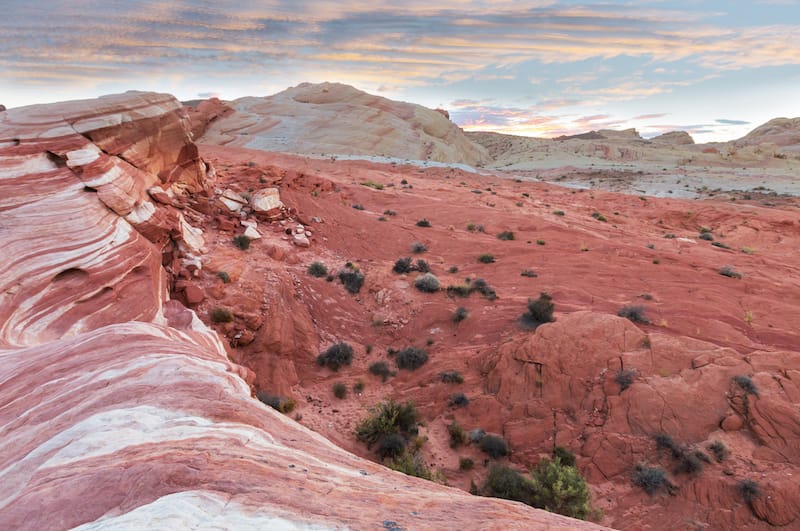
335	119
118	406
678	138
781	132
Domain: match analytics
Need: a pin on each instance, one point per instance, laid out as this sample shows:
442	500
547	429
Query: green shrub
651	478
457	435
359	386
221	315
386	418
540	242
530	273
279	403
339	390
706	236
494	446
506	235
392	445
729	271
719	450
482	287
336	356
317	269
460	314
412	464
389	213
352	279
625	378
564	456
451	377
381	368
422	266
465	463
402	265
242	242
371	184
418	247
224	277
458	400
486	258
423	223
453	269
634	313
358	206
540	311
561	489
558	212
507	483
427	283
461	290
411	358
746	384
749	490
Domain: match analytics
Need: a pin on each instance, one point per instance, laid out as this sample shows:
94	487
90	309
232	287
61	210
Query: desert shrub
720	245
666	442
558	212
749	490
729	271
418	247
359	386
506	235
507	483
689	463
221	315
624	378
458	400
381	368
451	377
422	266
427	283
651	478
412	464
706	236
453	269
372	184
336	356
564	456
540	311
494	446
485	258
423	223
465	463
719	450
389	213
392	445
457	435
339	390
352	279
411	358
317	269
634	313
746	384
280	403
561	489
402	265
224	277
460	314
476	435
386	418
540	242
460	290
242	242
358	206
530	273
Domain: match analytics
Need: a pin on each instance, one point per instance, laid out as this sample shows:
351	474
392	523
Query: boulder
266	203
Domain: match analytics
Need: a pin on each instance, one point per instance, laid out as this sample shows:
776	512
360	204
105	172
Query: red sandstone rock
194	294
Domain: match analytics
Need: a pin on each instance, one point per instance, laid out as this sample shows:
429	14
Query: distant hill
782	132
332	118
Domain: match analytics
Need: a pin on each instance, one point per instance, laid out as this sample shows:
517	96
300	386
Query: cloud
649	116
731	122
206	95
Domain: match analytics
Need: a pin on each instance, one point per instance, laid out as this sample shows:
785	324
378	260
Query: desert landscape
274	312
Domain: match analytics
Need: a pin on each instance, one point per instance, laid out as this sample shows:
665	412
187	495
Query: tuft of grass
506	235
386	418
279	403
486	258
457	435
746	384
359	386
634	313
458	400
465	464
389	213
221	315
358	206
418	248
558	212
372	184
460	314
339	390
729	271
530	273
719	450
224	277
453	269
651	478
451	377
423	223
242	242
317	269
540	242
749	490
540	311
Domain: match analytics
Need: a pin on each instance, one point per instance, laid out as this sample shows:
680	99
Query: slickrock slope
781	132
336	119
118	407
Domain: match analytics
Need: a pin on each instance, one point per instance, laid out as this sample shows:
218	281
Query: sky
716	69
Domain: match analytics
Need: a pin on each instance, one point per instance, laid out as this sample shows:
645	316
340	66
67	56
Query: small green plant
336	356
720	245
339	390
540	311
418	248
530	273
485	258
494	446
412	464
506	235
403	265
386	418
451	377
242	242
453	269
561	489
719	450
224	277
359	386
707	236
746	384
411	358
749	490
371	184
625	378
460	314
381	368
279	403
505	482
389	213
221	315
558	212
351	278
423	223
318	270
650	478
358	206
729	271
540	242
391	446
465	463
458	400
427	283
457	435
598	216
634	313
564	456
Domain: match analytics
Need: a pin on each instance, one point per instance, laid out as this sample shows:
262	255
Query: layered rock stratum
119	407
